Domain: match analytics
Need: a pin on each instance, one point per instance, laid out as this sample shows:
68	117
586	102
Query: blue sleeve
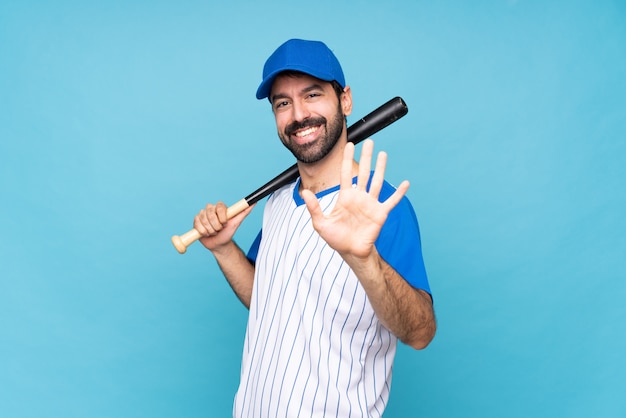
399	242
254	248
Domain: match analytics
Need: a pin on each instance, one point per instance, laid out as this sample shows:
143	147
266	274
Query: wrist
363	264
224	249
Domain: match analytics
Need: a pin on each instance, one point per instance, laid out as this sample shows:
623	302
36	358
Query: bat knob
179	244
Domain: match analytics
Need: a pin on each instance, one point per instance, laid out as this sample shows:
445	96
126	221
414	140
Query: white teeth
306	132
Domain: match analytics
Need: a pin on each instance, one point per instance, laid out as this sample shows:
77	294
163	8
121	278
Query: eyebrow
312	87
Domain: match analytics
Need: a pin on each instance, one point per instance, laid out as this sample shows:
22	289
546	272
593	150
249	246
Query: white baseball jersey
314	346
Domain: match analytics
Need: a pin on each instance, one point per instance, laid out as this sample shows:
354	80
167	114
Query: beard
312	152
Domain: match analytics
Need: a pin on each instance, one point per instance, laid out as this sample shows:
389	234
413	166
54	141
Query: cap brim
266	85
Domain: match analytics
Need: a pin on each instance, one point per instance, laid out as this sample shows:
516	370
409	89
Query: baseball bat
378	119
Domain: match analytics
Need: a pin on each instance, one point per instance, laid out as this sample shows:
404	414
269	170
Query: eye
280	104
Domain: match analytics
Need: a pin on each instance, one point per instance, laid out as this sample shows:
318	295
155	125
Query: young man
336	276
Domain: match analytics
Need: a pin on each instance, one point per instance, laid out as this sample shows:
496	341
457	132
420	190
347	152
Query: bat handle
181	242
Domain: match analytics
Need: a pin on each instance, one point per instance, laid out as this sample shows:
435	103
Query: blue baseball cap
309	57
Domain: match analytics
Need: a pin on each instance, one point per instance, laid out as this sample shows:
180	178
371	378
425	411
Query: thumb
238	219
312	204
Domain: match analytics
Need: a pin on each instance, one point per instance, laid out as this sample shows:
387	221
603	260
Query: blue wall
120	120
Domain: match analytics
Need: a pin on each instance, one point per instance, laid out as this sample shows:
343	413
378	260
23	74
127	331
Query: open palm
355	222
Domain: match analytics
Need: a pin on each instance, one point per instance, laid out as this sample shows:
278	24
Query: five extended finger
345	179
395	198
365	164
312	204
379	174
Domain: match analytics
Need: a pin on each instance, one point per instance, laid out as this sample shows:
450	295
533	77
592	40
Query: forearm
237	269
407	312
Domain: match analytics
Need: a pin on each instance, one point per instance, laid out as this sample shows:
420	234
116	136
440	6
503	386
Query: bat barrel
380	118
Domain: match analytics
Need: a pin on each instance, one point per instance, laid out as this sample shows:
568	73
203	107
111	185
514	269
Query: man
336	276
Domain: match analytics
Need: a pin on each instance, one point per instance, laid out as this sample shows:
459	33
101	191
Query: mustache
294	126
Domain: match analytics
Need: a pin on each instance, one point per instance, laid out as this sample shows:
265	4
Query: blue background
120	120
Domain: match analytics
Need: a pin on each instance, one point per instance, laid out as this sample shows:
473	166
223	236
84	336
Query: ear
346	101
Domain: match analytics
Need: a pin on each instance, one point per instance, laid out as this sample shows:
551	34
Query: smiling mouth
305	132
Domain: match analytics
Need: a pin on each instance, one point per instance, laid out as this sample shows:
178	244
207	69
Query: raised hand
355	222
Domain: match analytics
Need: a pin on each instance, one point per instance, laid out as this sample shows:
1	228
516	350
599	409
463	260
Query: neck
325	173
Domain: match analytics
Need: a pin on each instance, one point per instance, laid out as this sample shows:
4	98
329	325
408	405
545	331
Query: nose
299	111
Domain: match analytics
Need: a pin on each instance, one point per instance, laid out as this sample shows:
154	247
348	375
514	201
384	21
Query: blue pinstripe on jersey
313	346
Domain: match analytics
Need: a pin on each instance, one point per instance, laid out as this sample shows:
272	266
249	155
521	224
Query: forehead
289	82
